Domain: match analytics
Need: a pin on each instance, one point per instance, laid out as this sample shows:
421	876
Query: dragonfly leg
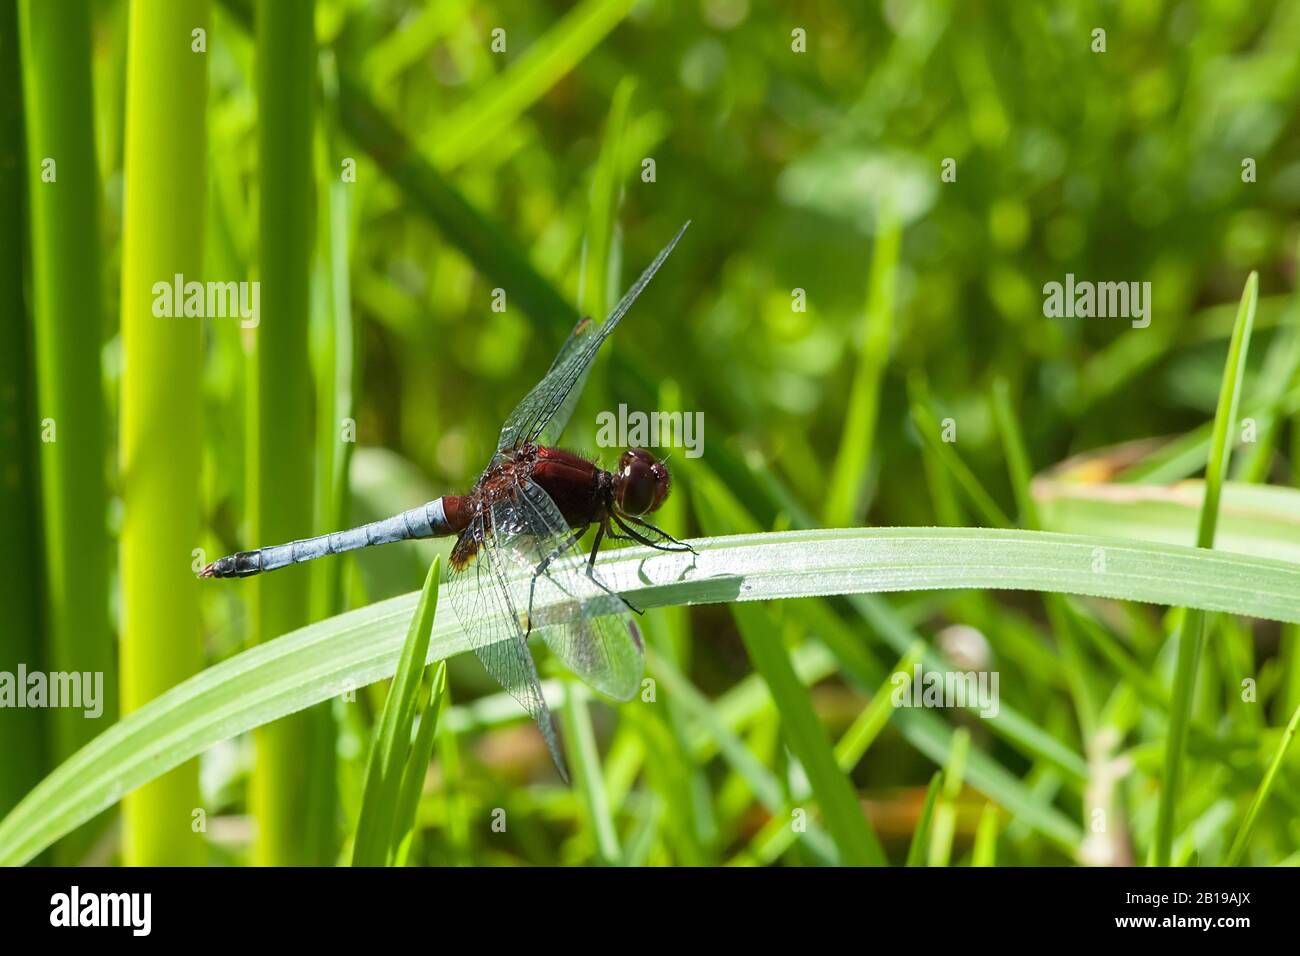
541	569
665	542
601	531
611	533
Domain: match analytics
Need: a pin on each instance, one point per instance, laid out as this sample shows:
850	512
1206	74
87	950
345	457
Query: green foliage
864	335
314	663
20	590
165	160
396	766
294	757
69	413
1191	628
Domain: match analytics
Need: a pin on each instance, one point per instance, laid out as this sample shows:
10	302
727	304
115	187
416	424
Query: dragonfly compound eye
641	482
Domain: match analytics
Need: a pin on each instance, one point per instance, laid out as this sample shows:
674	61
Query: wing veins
565	375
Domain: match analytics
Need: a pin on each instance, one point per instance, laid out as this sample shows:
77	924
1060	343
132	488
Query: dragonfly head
641	483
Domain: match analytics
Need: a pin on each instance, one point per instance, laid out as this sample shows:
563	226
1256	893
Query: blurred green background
381	169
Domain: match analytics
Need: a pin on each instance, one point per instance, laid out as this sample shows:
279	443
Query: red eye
636	482
641	483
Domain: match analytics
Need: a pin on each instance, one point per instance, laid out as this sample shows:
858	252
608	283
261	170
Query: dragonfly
516	568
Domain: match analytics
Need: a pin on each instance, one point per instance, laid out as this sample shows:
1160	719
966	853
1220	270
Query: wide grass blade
1187	454
1192	631
1059	612
359	647
1262	520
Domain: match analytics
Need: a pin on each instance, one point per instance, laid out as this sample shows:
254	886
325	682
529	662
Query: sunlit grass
922	386
164	227
1191	625
292	787
396	767
313	663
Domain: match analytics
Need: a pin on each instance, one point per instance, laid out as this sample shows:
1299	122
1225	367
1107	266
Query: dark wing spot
465	551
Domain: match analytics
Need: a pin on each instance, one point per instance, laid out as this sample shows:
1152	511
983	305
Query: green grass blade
392	742
334	339
1277	395
1238	848
1013	447
986	838
1262	520
491	250
1186	455
762	783
359	647
932	736
488	113
927	424
918	851
408	799
66	306
588	777
161	453
1059	612
292	784
599	281
945	811
841	808
840	805
845	501
1191	633
1225	418
777	835
606	190
22	731
1280	370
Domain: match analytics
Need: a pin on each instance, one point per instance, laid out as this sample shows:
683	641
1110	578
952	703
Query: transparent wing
482	594
584	622
583	330
544	412
578	340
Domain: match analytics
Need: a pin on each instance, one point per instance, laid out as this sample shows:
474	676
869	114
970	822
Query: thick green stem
289	792
64	191
165	163
21	730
